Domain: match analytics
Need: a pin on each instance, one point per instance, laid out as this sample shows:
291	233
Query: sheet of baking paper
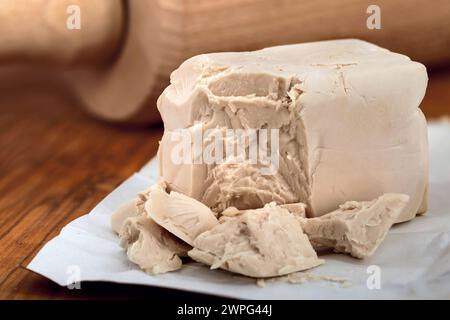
412	262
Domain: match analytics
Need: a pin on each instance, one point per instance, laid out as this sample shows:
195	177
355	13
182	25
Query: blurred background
114	57
79	81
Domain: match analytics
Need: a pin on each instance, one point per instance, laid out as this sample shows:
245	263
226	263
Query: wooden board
56	163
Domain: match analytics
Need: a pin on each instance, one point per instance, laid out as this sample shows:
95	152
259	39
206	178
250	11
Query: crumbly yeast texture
179	214
263	242
150	246
356	228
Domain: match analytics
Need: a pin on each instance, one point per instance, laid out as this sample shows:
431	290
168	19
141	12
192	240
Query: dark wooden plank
56	163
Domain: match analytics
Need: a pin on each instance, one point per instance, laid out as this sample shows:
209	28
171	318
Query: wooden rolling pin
121	58
36	30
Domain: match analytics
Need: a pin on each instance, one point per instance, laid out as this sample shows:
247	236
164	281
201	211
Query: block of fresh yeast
345	115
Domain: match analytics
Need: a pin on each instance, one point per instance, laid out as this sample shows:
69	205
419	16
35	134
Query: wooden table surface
57	163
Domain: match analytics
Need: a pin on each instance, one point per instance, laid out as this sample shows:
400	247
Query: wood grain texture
56	164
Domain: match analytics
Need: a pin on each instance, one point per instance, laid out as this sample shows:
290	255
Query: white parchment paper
413	261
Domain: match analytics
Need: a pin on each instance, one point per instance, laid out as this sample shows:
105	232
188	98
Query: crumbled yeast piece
125	211
181	215
356	228
264	242
298	209
150	246
134	207
302	277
